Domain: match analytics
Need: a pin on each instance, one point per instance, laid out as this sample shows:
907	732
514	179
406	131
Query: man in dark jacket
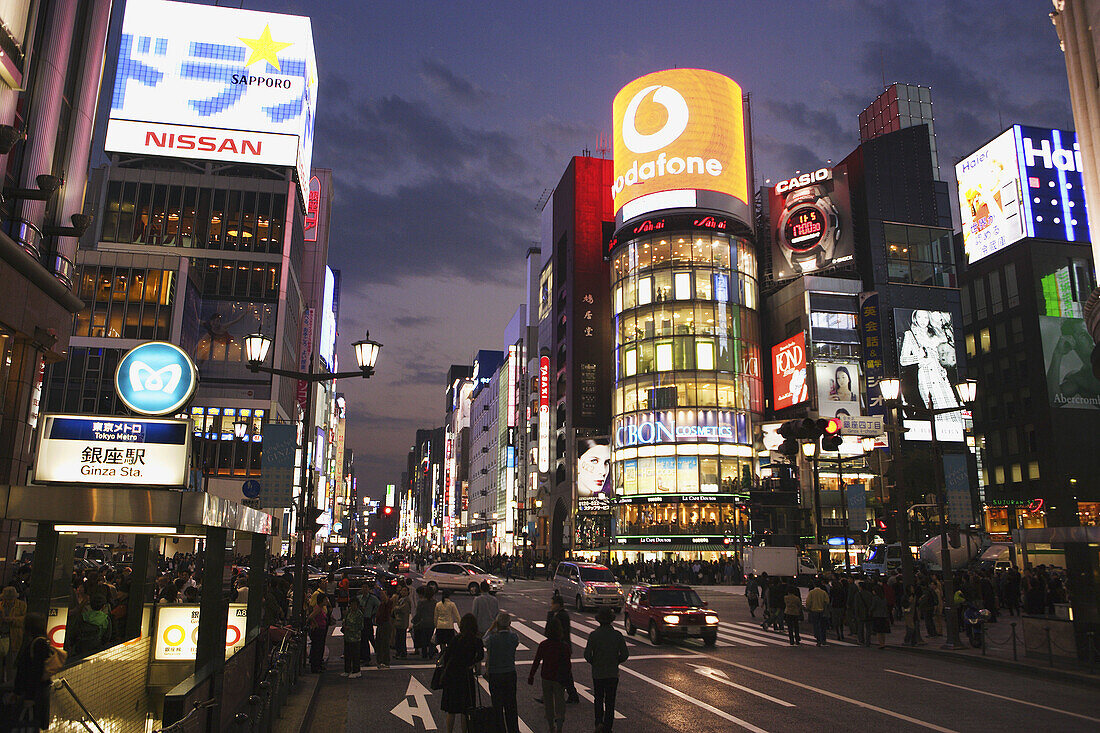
557	611
605	651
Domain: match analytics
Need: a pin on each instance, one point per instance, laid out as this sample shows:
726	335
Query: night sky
444	123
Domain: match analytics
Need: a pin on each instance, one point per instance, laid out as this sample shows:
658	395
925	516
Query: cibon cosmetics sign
214	83
1026	182
177	632
87	449
789	386
679	140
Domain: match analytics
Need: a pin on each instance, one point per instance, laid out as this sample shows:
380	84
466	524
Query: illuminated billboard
212	83
811	223
679	142
789	373
838	393
927	357
1067	350
594	484
1026	182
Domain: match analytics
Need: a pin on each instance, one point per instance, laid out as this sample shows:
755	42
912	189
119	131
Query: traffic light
830	428
388	511
311	516
789	432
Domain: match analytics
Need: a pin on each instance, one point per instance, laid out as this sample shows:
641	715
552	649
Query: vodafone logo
676	107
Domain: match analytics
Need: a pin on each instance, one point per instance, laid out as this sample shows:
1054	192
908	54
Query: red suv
670	611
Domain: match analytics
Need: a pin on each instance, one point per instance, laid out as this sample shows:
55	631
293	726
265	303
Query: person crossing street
605	651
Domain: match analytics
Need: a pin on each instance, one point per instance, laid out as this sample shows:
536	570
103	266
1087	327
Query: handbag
485	719
53	663
437	673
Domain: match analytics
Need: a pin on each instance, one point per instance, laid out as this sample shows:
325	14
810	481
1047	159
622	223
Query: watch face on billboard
838	391
789	372
679	139
1026	182
594	484
811	223
213	83
927	357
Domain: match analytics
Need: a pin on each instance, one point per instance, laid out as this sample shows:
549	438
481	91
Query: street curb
307	719
1060	675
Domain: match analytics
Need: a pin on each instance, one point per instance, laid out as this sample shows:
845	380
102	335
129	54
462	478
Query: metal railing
63	684
182	725
285	663
1044	648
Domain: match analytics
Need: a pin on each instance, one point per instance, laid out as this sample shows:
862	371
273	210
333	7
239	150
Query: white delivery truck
783	562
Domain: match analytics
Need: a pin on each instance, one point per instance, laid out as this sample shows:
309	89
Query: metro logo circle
680	130
155	378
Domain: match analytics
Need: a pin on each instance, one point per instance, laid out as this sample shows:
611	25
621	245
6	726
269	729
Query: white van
588	585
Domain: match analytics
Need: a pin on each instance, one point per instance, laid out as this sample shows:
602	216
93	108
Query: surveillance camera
48	183
81	222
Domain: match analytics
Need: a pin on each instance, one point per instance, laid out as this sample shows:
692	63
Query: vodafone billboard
679	138
789	372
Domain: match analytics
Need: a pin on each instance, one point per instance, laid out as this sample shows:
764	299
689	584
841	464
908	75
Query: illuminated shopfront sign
86	449
680	426
177	632
789	372
213	83
544	414
703	540
678	498
679	142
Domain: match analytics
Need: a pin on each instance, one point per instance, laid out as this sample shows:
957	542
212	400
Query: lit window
1017	474
645	290
683	285
971	348
984	338
846	321
704	354
998	475
664	357
619	299
1033	470
631	366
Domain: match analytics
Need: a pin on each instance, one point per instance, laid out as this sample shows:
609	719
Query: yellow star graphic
264	48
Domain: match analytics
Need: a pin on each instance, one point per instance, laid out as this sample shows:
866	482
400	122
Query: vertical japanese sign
313	208
305	349
870	336
544	414
960	504
857	506
277	465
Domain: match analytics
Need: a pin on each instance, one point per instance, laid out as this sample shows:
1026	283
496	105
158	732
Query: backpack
97	619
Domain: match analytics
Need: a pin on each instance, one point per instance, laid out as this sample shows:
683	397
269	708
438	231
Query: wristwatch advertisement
811	223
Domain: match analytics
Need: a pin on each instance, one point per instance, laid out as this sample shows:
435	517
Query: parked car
671	610
460	576
100	555
385	579
313	574
588	585
358	576
399	565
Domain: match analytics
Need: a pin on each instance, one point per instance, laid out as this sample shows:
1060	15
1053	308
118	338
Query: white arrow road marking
993	694
587	695
338	631
523	727
719	676
710	708
419	709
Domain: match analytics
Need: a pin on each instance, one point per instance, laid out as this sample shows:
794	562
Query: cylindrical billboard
680	144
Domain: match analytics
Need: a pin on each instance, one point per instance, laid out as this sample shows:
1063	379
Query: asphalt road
752	680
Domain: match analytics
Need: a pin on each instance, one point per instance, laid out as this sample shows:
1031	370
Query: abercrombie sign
681	426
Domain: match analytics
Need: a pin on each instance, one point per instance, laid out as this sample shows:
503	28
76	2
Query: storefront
1001	516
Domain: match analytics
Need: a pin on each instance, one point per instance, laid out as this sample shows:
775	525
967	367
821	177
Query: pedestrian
817	604
383	630
352	627
605	651
838	599
460	658
553	654
776	604
500	670
368	604
402	612
792	613
486	607
927	605
861	611
31	691
13	610
343	593
752	595
559	614
446	617
880	619
318	631
911	614
423	622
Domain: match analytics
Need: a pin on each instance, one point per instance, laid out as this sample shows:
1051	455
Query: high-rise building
50	73
898	107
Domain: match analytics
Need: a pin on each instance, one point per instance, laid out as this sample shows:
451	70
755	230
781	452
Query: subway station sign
88	449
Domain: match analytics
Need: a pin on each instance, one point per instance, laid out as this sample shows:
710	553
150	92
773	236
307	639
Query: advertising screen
811	223
1026	182
594	485
112	450
213	83
927	357
327	343
177	631
789	373
679	139
1067	350
838	390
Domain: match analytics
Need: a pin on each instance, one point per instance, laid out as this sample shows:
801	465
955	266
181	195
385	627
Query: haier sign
1026	182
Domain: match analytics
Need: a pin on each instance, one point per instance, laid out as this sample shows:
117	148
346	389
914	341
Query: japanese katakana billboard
116	451
213	83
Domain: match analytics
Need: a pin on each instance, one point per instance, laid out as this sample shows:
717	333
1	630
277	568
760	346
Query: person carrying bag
27	706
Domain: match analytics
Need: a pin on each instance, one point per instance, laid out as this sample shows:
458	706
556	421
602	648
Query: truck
971	546
883	559
783	562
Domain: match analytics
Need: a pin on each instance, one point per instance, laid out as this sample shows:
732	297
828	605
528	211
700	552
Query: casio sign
806	179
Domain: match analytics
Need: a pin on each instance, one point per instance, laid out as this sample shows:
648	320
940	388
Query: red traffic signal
830	426
388	510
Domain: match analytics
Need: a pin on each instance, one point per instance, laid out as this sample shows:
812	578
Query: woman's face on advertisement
920	318
842	380
592	469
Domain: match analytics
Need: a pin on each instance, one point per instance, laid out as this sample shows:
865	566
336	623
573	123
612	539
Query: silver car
460	576
588	585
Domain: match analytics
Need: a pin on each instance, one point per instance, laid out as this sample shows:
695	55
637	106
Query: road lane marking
719	676
698	703
835	696
584	692
406	711
523	727
575	660
760	633
993	694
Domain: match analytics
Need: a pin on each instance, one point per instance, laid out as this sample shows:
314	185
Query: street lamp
809	450
256	347
966	390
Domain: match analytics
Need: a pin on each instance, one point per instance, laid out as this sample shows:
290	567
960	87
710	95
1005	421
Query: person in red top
553	654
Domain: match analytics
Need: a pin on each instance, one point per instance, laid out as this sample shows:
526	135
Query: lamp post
256	346
966	390
809	449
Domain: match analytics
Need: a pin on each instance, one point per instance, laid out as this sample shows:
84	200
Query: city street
752	680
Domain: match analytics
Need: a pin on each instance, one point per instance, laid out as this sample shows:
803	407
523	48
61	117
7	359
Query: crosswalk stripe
758	633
